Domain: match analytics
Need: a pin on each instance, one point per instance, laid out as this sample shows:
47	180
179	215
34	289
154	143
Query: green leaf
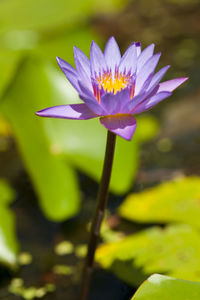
47	14
89	153
61	45
147	128
173	201
8	64
84	144
158	287
8	242
6	193
54	180
35	14
47	28
173	251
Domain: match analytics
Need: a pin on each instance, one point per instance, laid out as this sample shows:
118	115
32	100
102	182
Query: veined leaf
173	251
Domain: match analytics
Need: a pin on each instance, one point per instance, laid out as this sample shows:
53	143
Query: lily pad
173	201
158	287
173	251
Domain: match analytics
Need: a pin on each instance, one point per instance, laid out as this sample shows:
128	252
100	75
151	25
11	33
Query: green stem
98	217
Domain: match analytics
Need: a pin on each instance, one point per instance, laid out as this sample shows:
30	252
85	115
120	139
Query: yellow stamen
110	84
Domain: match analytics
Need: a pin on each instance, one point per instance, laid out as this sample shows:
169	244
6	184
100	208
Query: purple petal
112	54
85	91
97	60
144	56
150	102
129	60
123	125
157	77
73	111
172	84
146	70
69	72
135	101
88	97
139	99
83	66
138	46
115	104
146	84
93	106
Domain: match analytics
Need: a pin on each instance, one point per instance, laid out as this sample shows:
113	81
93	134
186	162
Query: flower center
106	82
113	85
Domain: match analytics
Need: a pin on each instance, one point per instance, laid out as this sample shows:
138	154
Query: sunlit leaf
173	251
109	235
158	287
174	201
8	242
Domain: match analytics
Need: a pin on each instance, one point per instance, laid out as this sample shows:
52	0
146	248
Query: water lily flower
114	87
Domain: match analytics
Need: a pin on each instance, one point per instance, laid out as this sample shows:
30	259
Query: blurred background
49	168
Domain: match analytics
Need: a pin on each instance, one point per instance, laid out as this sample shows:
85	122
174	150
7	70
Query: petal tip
166	68
39	113
58	59
138	44
93	44
158	54
75	49
93	47
112	38
184	79
172	84
152	46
